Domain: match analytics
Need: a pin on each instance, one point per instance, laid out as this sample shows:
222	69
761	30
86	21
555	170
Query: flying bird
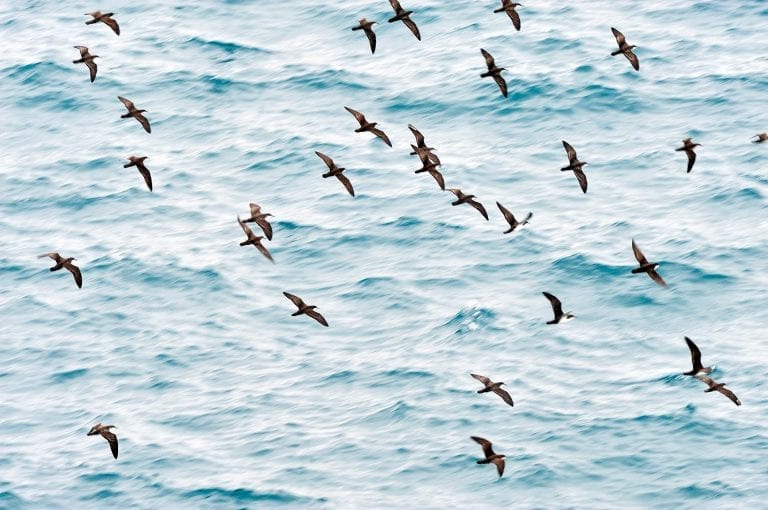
103	431
306	309
421	149
494	72
557	309
87	59
367	27
513	223
494	387
254	240
67	264
335	171
138	162
104	17
646	267
720	387
575	165
761	137
688	147
491	457
260	219
508	6
135	113
404	16
698	368
626	49
431	169
468	199
368	126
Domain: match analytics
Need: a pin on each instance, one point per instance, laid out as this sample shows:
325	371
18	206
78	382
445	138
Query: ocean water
184	341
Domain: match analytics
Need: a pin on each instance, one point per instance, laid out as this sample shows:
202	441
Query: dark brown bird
698	368
260	219
508	6
494	72
254	240
431	169
67	264
335	171
720	387
557	309
513	223
305	309
421	149
368	126
761	137
646	267
575	165
87	59
688	147
491	457
494	387
103	431
138	162
404	16
626	49
104	17
468	199
367	27
135	113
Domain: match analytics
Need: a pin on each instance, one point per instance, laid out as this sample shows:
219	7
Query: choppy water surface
223	400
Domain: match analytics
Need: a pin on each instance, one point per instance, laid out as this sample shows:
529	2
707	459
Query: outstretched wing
295	299
582	178
53	255
728	393
502	83
359	116
264	251
378	132
691	159
76	274
656	277
144	122
92	68
419	137
128	104
632	59
505	396
144	171
477	205
638	254
438	178
620	40
316	315
488	59
111	24
395	5
248	232
507	215
265	226
487	446
112	440
557	306
483	379
412	27
346	183
695	355
328	161
371	39
570	151
515	17
499	465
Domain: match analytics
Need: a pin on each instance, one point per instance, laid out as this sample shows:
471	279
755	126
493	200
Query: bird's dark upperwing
346	183
316	315
582	178
487	447
695	355
502	83
638	254
477	205
295	299
488	59
359	116
620	39
505	396
378	132
507	215
557	306
328	161
570	152
483	379
691	159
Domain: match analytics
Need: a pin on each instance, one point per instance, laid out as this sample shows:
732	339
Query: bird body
305	309
335	171
575	166
719	387
103	431
510	218
688	146
494	72
260	219
65	263
404	16
495	387
491	457
557	309
138	162
461	198
254	240
508	6
368	126
135	113
760	138
367	27
87	59
698	368
625	49
104	17
646	267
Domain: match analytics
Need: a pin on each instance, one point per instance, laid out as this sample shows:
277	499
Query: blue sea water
183	340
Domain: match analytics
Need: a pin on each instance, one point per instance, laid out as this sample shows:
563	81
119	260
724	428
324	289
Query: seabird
335	171
491	457
431	168
720	387
626	49
368	126
688	147
367	27
575	165
421	149
761	137
87	59
494	387
696	360
508	6
494	72
513	223
254	240
103	431
646	267
67	264
306	309
557	308
135	113
104	17
468	199
403	15
138	162
260	219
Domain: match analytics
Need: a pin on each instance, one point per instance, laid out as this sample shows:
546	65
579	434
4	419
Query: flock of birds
430	164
